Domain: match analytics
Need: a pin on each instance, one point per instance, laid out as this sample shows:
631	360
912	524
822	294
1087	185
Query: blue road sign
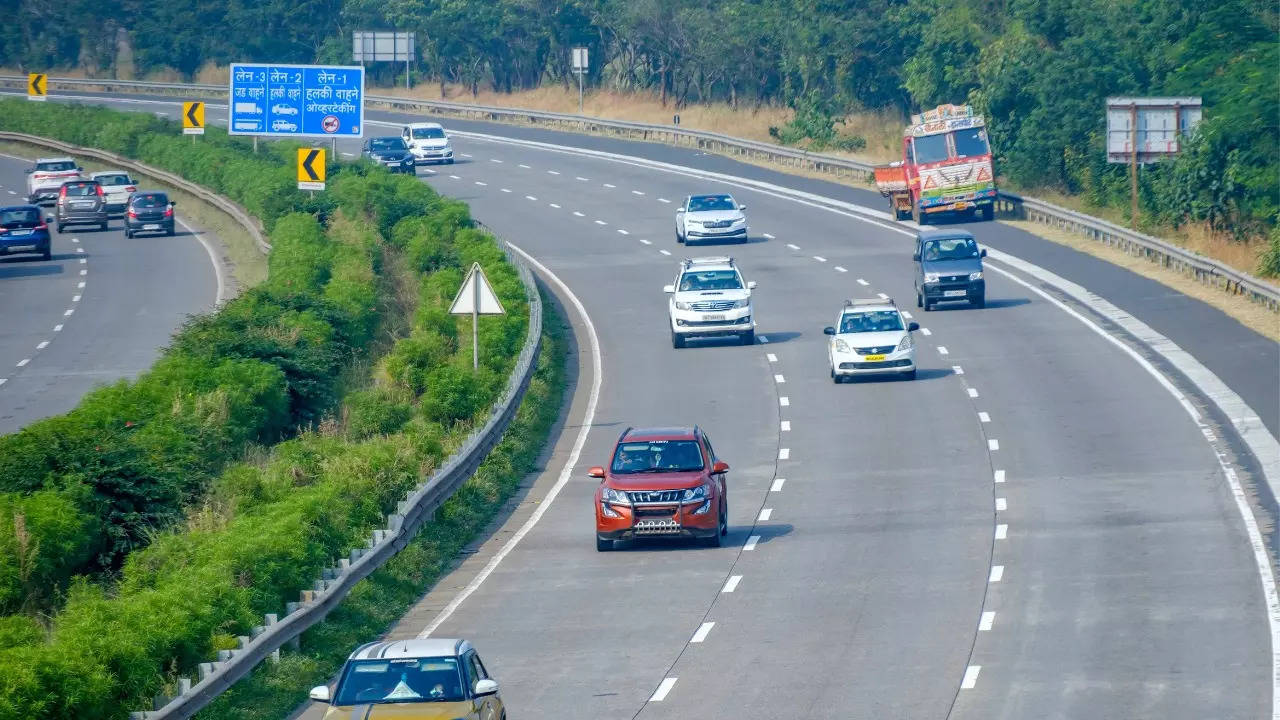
296	100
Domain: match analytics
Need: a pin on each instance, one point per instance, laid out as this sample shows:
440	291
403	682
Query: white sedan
710	217
871	337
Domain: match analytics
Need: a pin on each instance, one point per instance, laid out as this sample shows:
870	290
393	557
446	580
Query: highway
1035	527
98	312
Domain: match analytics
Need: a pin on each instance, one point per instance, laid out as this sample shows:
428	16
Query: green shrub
376	412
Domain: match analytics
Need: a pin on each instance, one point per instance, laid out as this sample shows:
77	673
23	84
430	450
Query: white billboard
1155	127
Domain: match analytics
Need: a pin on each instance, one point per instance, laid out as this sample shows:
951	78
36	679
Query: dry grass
1249	313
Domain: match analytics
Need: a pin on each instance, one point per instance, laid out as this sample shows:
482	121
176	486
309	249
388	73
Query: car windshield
971	142
80	189
120	179
401	680
949	249
59	166
386	144
930	148
656	456
710	280
427	133
870	321
700	203
19	217
149	201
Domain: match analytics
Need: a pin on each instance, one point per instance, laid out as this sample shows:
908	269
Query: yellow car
423	679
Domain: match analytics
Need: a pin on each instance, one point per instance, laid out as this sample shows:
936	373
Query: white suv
428	142
710	299
46	178
871	337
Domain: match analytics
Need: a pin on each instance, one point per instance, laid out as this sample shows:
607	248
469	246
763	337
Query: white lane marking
731	584
68	312
455	177
646	242
526	167
623	232
12	192
220	295
993	444
1002	531
988	619
664	687
926	331
973	392
793	247
942	350
494	160
578	214
75	240
554	205
75	298
347	154
83	272
23	362
779	379
582	178
481	183
57	328
957	369
819	258
552	172
530	197
1002	504
906	314
665	252
862	282
999	476
764	339
840	269
608	185
997	573
984	417
43	344
566	473
784	401
784	453
786	426
970	677
506	190
771	357
777	485
636	192
664	200
765	514
769	236
3	380
883	296
79	249
80	285
751	543
465	155
702	632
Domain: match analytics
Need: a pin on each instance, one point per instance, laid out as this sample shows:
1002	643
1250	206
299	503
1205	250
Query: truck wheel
988	212
917	215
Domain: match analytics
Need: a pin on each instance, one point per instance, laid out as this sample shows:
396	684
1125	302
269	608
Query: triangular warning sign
930	181
476	295
984	173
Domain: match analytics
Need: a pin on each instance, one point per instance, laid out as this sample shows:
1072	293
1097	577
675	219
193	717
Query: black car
390	152
148	211
948	268
24	231
81	202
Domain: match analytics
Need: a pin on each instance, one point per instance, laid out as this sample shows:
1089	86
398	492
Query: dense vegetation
157	521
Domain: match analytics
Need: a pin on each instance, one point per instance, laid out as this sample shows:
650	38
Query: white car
710	299
283	126
428	142
284	110
710	217
46	178
117	186
871	337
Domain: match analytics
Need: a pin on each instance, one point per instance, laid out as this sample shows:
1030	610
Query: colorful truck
945	167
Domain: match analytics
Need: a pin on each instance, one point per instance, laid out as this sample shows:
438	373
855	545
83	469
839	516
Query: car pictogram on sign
330	123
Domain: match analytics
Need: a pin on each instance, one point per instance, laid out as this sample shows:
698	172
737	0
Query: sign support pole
579	92
1133	168
255	144
475	325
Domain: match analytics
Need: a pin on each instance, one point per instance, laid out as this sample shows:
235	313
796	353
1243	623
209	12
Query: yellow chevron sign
192	118
37	86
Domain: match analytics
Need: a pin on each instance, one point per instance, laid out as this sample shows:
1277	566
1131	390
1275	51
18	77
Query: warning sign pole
475	326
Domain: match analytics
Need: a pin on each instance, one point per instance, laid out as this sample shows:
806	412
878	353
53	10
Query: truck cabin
954	145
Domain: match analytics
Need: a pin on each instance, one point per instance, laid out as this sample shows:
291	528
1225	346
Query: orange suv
662	482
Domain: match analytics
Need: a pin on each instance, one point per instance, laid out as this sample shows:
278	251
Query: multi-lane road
1037	526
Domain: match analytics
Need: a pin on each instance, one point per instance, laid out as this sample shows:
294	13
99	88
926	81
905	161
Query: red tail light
133	213
42	226
131	189
168	212
62	191
100	193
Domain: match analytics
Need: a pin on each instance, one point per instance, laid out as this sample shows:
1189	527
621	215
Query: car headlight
932	277
905	343
739	220
842	346
610	495
742	303
699	493
975	275
691	221
682	305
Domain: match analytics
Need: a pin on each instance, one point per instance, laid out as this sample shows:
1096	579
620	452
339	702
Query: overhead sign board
37	86
296	101
382	46
1154	127
192	118
311	168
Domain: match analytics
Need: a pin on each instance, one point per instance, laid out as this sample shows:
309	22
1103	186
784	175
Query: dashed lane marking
819	258
665	252
784	454
779	379
583	179
970	677
997	573
751	543
771	357
973	392
793	247
663	688
1002	531
578	214
506	190
786	426
646	242
494	160
993	444
526	167
984	417
784	401
57	328
999	476
906	314
530	197
702	632
926	331
664	200
552	172
482	184
23	362
777	485
623	232
764	339
610	185
68	312
862	282
840	269
942	350
1001	504
75	298
731	584
455	177
769	236
636	192
43	344
988	618
554	205
957	369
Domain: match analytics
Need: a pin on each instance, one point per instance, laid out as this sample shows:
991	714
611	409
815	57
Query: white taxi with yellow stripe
871	337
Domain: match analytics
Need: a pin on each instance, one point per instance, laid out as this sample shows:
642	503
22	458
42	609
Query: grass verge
275	689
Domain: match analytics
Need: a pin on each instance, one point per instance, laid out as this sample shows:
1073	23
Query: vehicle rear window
19	217
80	189
114	180
149	200
434	679
654	456
60	166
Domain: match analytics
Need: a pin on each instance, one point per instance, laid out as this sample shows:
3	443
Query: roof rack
859	302
712	260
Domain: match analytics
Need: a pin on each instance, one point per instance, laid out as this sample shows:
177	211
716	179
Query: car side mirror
719	467
596	472
486	687
751	284
983	253
48	219
828	331
678	210
668	288
915	257
913	326
173	203
28	171
79	169
742	207
320	693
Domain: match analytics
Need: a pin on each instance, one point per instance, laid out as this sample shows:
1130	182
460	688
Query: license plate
712	318
962	205
641	524
874	358
953	293
16	233
82	205
150	227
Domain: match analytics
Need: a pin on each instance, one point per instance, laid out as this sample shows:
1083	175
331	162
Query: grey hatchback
948	268
81	202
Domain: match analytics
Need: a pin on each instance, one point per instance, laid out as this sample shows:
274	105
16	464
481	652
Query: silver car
705	218
117	186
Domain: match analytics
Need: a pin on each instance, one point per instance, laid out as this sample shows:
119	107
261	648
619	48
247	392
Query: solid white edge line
220	295
663	688
567	472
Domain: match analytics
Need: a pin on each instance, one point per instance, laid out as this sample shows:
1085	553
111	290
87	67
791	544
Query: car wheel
979	301
724	518
449	161
128	234
679	240
47	254
748	337
61	227
169	232
911	375
603	544
677	341
919	301
712	540
103	227
928	305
